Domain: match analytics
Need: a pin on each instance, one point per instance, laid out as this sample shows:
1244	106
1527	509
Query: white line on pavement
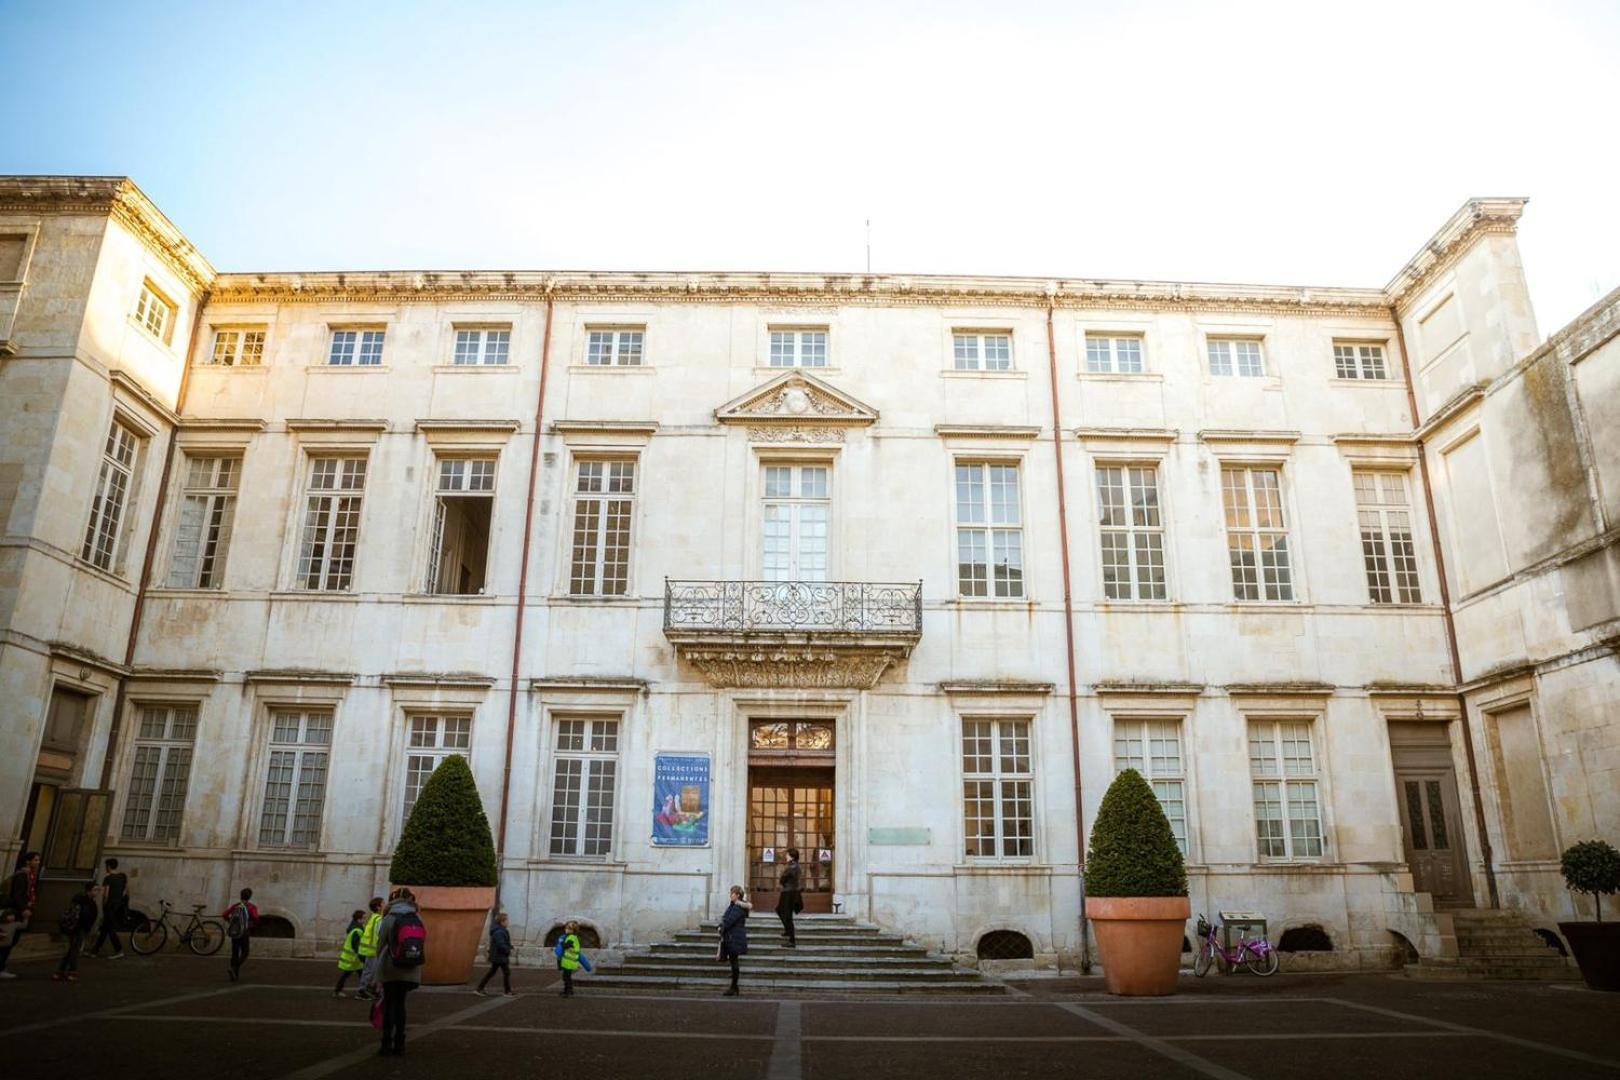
75	1018
354	1057
1159	1046
1514	1040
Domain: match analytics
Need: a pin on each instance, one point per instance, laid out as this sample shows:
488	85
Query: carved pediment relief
799	404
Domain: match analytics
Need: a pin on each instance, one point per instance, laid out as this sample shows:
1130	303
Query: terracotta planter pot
454	918
1139	938
1596	946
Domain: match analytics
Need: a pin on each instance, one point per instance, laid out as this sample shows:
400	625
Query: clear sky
1285	143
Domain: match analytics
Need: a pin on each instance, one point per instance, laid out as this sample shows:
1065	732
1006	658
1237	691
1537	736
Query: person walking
76	924
790	902
403	941
570	957
19	898
349	960
734	934
114	910
500	956
241	918
368	950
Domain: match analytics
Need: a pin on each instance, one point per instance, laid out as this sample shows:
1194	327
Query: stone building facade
895	570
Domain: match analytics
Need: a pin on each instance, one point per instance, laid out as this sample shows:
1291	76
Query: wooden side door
1431	818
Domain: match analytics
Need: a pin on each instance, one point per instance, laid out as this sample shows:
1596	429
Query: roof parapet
1475	218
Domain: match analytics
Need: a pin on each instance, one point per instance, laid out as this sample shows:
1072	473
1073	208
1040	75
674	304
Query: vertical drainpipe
522	596
1068	636
1451	624
121	695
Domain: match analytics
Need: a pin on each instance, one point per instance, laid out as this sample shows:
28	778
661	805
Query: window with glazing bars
989	531
1153	748
113	486
1114	353
583	786
431	740
798	348
1387	549
797	523
604	505
458	558
331	523
350	347
980	351
1132	532
154	311
998	789
1358	360
475	347
238	348
202	536
1256	536
295	779
614	348
1287	813
1236	356
159	770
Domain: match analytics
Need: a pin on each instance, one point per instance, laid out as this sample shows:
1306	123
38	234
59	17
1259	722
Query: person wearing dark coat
500	956
81	914
789	903
734	934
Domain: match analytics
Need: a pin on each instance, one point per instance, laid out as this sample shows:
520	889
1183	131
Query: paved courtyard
179	1017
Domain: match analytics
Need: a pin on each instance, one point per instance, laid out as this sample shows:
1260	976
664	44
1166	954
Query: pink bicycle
1254	953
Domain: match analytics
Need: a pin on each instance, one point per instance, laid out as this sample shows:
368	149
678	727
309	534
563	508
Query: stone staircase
1493	943
835	955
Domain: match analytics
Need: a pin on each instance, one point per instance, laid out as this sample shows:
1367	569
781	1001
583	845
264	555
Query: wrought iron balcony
793	633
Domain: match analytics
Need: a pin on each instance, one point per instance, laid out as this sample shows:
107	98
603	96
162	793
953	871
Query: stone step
794	956
1555	969
867	941
716	970
706	947
805	963
754	983
1516	948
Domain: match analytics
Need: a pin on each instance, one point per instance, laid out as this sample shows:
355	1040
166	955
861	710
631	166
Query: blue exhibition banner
681	800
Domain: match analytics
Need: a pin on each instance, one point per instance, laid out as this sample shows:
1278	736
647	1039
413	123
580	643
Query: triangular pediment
794	397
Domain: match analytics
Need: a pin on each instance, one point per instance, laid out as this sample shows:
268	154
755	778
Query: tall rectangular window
1387	550
978	351
1132	532
1114	353
331	523
1153	748
431	740
797	522
113	486
350	347
154	311
295	781
614	347
1236	356
203	534
159	771
587	762
459	548
604	507
998	789
1358	360
474	347
1287	813
237	348
798	348
989	531
1256	537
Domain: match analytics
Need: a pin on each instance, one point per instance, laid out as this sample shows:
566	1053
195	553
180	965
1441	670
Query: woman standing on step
789	903
734	934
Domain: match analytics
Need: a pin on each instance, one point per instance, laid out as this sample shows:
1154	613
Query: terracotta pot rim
1131	908
452	897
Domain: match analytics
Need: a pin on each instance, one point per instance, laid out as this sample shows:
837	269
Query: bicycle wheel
206	937
1204	959
149	937
1261	962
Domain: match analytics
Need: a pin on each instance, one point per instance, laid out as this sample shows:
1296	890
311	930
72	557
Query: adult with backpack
75	925
241	918
399	968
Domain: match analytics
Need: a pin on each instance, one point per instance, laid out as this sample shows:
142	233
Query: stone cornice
605	427
222	423
427	425
986	431
120	199
319	424
1476	218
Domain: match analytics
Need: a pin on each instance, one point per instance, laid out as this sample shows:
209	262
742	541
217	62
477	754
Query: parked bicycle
202	936
1257	954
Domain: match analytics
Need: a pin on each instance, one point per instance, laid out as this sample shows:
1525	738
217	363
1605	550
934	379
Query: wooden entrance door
1431	819
790	805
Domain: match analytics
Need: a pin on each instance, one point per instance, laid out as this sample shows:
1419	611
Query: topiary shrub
1593	866
1133	851
447	840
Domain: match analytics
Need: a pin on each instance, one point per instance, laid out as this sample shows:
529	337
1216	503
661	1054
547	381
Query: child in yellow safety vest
369	948
349	960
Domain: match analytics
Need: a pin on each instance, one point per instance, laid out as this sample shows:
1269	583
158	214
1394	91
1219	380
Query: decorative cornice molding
986	431
314	424
1110	434
427	426
217	423
1280	689
605	427
1459	403
1476	218
601	684
173	675
301	676
1222	436
998	687
1168	689
803	403
458	679
126	382
797	668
